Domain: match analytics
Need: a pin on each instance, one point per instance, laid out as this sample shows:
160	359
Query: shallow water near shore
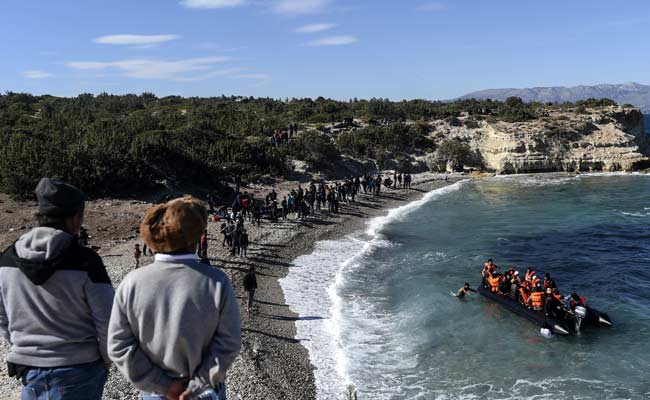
377	310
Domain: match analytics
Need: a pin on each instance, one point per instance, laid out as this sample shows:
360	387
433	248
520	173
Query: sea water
377	313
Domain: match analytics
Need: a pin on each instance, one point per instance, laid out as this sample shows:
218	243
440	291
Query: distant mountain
632	93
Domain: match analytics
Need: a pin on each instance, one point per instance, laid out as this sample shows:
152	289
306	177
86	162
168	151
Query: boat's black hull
561	327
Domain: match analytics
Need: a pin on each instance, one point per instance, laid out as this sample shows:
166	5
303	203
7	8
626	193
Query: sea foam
312	290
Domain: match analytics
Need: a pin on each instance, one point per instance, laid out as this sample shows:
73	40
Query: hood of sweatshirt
36	253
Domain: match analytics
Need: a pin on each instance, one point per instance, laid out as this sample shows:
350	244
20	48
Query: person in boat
536	299
575	300
549	283
514	282
552	306
523	292
464	290
530	272
505	285
494	280
535	281
488	270
489	266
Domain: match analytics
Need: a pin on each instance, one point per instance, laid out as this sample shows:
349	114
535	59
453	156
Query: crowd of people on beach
51	271
301	201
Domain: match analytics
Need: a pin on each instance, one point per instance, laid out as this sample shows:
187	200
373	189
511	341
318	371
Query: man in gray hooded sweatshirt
55	303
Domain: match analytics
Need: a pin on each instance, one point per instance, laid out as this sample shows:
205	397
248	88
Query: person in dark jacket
250	284
55	303
549	283
243	243
552	306
505	286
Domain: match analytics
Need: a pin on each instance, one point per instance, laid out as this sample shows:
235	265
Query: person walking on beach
55	303
136	254
250	284
174	329
243	244
285	206
257	214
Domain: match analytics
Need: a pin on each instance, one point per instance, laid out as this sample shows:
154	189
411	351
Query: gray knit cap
58	199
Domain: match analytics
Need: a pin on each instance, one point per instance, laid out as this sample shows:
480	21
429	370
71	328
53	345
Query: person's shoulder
211	271
139	274
85	259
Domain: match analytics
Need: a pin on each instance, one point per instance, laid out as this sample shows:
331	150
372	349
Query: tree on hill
515	110
451	155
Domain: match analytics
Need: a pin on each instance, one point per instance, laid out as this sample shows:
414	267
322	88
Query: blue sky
309	48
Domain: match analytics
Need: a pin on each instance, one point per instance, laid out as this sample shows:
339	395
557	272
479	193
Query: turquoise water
392	329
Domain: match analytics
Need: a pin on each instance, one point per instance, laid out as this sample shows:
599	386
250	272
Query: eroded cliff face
604	139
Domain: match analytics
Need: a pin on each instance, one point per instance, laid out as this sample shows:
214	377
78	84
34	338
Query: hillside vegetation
124	145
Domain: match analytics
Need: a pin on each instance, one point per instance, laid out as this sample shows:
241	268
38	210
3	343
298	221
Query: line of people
302	202
172	328
235	236
284	135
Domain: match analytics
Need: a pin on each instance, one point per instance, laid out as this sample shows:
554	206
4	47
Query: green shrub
515	110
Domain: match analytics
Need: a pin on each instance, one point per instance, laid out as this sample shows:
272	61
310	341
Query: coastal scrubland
125	145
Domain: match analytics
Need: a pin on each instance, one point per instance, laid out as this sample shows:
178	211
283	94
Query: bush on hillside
515	110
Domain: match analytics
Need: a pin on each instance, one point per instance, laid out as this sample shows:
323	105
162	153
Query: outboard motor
580	313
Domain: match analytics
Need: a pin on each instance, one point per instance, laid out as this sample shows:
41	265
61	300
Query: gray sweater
55	301
174	319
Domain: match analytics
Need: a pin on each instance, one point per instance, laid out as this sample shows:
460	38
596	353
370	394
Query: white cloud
209	46
314	28
212	74
435	6
135	40
153	69
298	7
36	74
217	47
333	41
261	77
210	4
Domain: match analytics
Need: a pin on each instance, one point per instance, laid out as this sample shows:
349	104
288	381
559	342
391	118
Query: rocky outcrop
604	139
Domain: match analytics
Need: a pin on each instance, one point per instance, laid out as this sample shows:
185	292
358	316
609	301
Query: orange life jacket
537	299
534	281
524	294
529	275
494	283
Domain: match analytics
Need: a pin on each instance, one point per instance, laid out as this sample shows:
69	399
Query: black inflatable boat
585	316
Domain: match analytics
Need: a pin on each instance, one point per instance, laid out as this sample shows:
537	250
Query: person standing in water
464	290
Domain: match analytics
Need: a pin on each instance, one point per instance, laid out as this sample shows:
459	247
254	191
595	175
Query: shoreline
275	314
273	363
